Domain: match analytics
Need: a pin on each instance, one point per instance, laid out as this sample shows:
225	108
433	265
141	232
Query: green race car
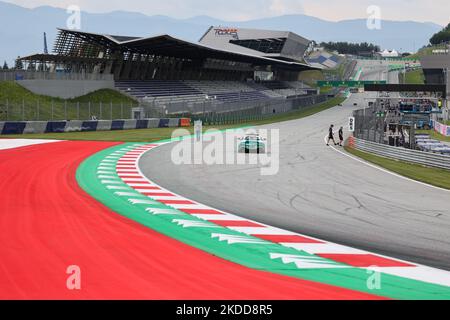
252	143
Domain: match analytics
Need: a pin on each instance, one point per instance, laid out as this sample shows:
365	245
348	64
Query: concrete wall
65	89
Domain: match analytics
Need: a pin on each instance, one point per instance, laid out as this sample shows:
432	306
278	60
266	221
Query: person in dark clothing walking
331	135
341	136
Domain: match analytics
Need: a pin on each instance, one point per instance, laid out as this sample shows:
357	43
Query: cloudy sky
437	11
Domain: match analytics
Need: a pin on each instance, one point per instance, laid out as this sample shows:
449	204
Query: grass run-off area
150	135
434	176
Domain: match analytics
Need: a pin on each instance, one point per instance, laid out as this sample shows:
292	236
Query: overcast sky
437	11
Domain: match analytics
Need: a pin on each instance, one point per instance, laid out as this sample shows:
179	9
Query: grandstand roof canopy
166	45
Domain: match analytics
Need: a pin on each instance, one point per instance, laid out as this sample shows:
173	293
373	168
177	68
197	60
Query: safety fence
399	153
63	110
369	125
57	109
17	75
25	127
257	111
255	107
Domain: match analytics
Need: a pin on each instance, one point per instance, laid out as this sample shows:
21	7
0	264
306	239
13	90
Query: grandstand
228	69
323	59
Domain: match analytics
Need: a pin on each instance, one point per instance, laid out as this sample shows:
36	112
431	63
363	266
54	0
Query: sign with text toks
227	32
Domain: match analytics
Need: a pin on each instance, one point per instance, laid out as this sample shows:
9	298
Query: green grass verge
311	77
14	97
413	77
423	52
150	135
433	176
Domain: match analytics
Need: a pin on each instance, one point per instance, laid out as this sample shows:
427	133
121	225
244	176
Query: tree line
441	36
17	66
350	48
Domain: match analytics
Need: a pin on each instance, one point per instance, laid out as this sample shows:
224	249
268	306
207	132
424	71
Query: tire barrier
28	127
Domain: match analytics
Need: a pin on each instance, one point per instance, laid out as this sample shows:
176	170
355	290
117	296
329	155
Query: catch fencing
63	110
17	75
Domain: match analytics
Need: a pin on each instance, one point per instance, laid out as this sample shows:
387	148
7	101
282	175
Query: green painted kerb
253	255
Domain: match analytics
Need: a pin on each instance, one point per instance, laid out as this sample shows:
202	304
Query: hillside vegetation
18	103
412	77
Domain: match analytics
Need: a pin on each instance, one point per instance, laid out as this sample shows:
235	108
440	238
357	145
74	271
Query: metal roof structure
163	45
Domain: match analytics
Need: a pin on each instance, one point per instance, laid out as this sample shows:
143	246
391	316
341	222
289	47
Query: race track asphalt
322	193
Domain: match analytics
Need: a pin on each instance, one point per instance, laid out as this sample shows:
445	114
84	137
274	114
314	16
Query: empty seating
156	88
164	92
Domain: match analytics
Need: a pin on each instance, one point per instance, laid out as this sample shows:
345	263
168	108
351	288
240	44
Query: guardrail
399	153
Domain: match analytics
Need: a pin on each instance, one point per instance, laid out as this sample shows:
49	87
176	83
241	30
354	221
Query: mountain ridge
20	37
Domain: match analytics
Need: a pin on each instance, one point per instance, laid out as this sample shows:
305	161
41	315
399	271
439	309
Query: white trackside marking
159	211
125	194
189	206
117	188
194	224
262	231
232	239
140	185
421	273
156	192
317	248
17	143
307	262
142	201
146	190
219	217
162	198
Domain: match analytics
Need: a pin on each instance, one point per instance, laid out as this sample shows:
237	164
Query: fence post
23	109
89	110
65	110
7	109
111	109
78	111
38	110
101	111
121	110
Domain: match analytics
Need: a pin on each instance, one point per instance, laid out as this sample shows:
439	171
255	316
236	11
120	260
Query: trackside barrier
399	153
26	127
185	122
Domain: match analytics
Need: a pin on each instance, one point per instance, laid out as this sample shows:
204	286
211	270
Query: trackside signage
227	32
351	124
